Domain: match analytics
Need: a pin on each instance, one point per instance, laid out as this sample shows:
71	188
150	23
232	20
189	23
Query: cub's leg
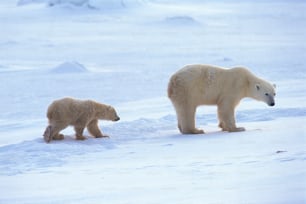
94	130
52	132
56	129
79	132
58	137
48	134
226	115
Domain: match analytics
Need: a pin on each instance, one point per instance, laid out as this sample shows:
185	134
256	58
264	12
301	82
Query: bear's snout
270	101
116	119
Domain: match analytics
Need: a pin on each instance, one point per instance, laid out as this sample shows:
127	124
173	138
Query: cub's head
264	91
107	113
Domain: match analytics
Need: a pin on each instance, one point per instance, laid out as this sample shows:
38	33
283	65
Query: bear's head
106	112
264	91
112	114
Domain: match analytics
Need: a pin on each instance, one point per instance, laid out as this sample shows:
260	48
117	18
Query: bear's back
66	108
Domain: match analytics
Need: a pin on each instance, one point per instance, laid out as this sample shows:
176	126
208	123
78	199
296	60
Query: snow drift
69	67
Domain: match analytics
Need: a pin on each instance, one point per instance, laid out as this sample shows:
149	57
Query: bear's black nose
118	118
272	104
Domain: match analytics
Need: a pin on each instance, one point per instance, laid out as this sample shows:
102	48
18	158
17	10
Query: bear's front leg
225	128
227	122
79	133
94	130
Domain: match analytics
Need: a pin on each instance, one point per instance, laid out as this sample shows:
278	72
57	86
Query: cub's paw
58	137
80	137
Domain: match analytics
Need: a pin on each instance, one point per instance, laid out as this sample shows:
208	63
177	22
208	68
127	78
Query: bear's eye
266	94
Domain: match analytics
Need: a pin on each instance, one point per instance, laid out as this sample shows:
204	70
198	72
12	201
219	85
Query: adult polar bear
196	85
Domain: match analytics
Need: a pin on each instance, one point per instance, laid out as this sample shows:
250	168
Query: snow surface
123	53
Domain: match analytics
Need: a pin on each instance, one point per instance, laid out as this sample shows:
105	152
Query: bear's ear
257	87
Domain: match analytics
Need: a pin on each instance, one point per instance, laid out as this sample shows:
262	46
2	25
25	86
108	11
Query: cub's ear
257	87
274	85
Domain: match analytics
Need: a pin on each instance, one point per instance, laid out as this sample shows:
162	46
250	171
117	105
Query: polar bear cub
196	85
78	113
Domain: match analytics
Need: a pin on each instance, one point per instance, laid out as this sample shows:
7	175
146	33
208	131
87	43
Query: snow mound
69	67
181	20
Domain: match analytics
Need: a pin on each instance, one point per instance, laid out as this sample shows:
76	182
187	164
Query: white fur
78	113
196	85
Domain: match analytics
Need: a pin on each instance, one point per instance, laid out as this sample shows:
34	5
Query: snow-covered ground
123	53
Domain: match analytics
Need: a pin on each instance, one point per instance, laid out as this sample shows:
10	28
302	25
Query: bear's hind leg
52	133
186	120
58	137
94	130
48	134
